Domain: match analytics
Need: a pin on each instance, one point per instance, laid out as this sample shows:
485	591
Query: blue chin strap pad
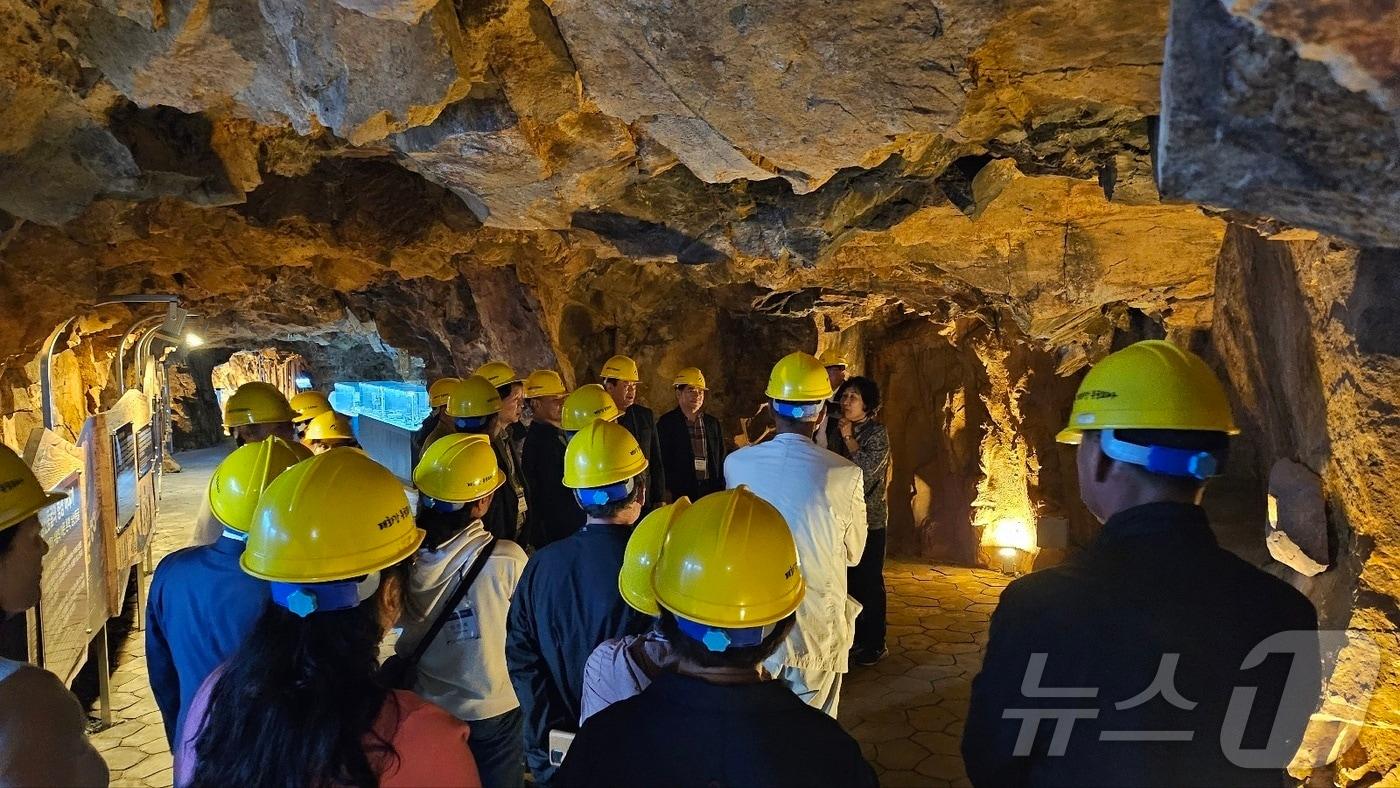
722	638
1161	459
598	496
440	506
471	423
307	598
796	410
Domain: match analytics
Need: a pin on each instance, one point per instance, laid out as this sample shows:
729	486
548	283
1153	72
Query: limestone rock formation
1289	109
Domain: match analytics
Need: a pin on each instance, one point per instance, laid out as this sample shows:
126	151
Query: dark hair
869	392
604	511
7	537
297	703
442	526
504	391
746	657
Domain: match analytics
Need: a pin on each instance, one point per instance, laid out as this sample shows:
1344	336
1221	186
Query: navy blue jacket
566	603
200	609
682	731
1153	583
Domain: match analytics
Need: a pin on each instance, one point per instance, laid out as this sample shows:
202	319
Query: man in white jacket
821	495
464	669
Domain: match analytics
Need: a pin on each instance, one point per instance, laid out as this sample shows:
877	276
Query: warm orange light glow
1010	533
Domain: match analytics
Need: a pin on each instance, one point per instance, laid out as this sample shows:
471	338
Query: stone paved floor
134	746
907	712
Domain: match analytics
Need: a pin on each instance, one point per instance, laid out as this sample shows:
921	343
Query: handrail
121	351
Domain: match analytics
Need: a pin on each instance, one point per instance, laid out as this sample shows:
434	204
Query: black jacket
678	458
683	731
641	422
553	512
565	604
1153	584
502	517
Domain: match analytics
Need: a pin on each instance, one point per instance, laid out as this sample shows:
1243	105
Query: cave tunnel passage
969	206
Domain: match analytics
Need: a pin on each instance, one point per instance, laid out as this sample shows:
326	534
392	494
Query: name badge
702	464
462	626
521	503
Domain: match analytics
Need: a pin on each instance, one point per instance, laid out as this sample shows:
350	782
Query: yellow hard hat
833	358
643	546
20	493
586	405
335	516
602	453
621	368
690	376
239	481
256	403
437	393
729	561
1150	385
799	377
330	426
458	469
544	383
308	405
498	372
474	397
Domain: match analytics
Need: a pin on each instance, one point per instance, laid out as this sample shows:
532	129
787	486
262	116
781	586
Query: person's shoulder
506	550
36	690
1044	589
669	416
1268	592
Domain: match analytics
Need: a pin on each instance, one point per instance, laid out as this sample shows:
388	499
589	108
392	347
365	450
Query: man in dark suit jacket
692	446
1154	657
620	378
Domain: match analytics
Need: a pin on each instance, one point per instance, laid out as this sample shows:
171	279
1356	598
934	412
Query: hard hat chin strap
798	411
237	536
304	599
471	422
1165	460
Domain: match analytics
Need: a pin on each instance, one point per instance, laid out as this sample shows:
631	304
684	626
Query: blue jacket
200	609
566	603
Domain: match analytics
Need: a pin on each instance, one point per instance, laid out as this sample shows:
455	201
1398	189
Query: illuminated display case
401	404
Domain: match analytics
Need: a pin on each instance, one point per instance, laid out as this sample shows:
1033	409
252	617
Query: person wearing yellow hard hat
727	583
837	372
461	584
692	442
553	513
258	410
437	404
620	379
301	699
308	405
201	604
43	740
511	387
330	430
474	407
584	406
822	497
1153	594
567	601
621	668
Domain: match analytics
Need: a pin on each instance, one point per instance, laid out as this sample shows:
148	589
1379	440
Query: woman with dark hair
42	741
300	704
866	442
